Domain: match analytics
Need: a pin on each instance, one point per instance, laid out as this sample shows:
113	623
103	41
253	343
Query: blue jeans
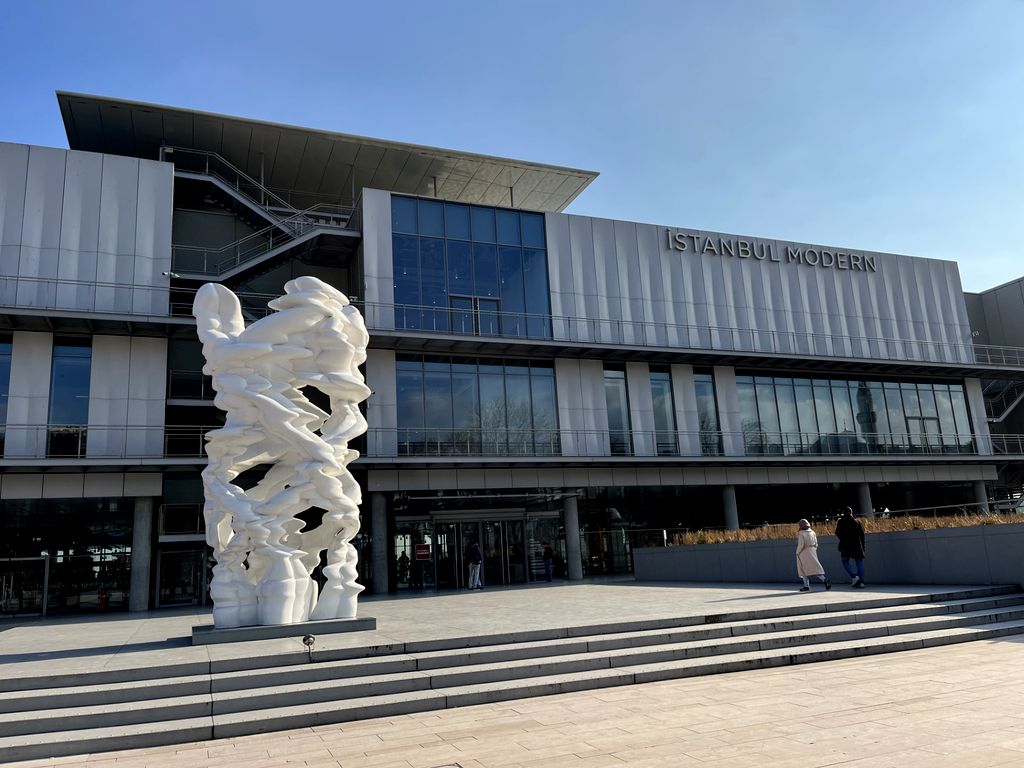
547	569
859	573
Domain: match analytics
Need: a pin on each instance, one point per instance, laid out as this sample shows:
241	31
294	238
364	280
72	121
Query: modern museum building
537	376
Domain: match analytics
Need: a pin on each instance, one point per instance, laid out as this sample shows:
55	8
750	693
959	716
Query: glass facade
620	434
5	386
69	397
469	269
707	414
825	416
469	406
89	545
666	439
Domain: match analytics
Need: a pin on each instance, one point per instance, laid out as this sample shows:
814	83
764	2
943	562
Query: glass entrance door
183	577
501	545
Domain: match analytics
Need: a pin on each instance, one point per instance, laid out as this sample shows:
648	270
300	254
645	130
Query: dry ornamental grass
876	525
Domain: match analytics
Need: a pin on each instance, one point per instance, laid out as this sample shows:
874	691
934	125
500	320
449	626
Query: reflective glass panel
538	298
485	267
843	407
618	412
403	214
431	221
435	294
533	230
69	384
545	411
508	227
483	224
5	379
460	268
823	408
789	422
664	414
513	302
456	219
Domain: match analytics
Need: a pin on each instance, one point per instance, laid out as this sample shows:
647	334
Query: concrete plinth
206	635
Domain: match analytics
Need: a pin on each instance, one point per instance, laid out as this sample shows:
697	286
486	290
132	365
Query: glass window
963	423
483	224
804	394
664	414
460	268
545	413
466	422
533	230
823	408
69	383
437	409
406	280
488	316
403	214
462	315
707	414
618	413
433	284
485	268
410	410
518	413
5	379
897	418
431	221
508	227
492	414
789	422
538	298
768	414
753	438
843	407
69	398
456	219
513	303
947	419
879	417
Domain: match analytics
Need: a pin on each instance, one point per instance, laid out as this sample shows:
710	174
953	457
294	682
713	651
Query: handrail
418	318
217	261
454	442
239	173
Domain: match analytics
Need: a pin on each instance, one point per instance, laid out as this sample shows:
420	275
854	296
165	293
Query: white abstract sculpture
264	557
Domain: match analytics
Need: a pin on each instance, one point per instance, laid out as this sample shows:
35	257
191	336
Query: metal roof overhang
316	161
412	342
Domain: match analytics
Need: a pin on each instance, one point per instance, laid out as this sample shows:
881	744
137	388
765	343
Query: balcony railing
77	441
637	443
643	333
90	296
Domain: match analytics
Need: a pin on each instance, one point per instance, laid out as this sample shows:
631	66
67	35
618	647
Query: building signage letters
759	250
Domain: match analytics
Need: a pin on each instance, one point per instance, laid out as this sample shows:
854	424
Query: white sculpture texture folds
265	554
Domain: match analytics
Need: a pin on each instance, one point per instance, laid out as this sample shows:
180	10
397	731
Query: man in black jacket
851	546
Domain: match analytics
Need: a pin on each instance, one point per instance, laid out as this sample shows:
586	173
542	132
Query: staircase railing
999	406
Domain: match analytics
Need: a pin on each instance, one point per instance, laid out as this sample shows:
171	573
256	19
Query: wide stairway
183	702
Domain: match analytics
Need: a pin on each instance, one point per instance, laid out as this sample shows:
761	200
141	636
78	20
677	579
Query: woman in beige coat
807	563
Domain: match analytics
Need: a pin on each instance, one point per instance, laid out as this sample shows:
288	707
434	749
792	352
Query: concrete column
732	515
981	496
866	509
379	521
571	519
142	554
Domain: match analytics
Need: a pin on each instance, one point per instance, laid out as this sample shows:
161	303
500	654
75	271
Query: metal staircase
287	226
1001	398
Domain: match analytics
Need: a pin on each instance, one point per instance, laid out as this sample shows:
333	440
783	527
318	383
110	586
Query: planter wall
983	554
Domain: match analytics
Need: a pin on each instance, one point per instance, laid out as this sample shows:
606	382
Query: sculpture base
206	634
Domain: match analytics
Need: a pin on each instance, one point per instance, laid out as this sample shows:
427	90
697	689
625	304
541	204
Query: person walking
548	556
475	559
850	533
807	563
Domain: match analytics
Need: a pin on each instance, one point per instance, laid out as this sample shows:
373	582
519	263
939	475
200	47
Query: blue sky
892	126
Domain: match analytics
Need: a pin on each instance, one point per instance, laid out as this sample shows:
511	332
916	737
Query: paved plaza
957	706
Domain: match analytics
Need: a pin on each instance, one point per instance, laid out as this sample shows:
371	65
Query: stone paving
959	705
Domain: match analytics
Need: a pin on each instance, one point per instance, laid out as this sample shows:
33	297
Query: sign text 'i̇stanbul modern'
265	560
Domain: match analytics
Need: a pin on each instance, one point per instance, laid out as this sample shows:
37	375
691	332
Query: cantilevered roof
316	161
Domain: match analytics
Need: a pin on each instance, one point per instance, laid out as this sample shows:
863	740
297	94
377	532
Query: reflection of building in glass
537	376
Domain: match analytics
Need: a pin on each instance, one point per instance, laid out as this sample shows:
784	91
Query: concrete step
331	688
379	667
384	680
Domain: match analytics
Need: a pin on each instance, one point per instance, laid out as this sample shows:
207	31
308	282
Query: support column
732	515
981	496
571	519
379	521
142	554
866	509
